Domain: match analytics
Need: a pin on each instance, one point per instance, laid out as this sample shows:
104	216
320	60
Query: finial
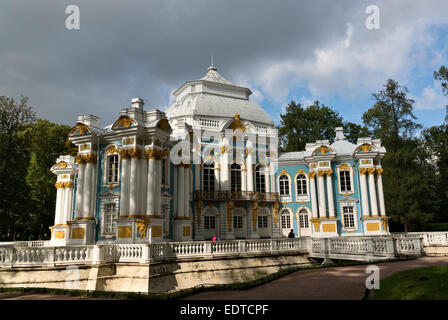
237	116
212	67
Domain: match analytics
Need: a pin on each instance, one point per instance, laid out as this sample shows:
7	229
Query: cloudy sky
281	50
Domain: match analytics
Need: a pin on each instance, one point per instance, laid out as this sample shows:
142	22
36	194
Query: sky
282	50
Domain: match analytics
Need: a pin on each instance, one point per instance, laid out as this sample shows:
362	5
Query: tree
300	125
46	142
15	116
407	178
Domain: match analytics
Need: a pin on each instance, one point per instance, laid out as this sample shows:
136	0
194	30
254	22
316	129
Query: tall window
260	179
209	222
110	215
301	185
209	177
237	222
349	217
286	220
284	185
344	178
235	177
262	222
112	168
303	218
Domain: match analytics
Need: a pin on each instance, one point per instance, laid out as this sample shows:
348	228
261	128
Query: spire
212	67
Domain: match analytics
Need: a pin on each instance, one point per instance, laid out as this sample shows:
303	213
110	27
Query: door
285	220
304	223
239	224
264	225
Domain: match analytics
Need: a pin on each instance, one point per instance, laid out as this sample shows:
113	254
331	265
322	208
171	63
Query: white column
312	177
225	172
124	195
379	184
364	195
330	195
142	186
372	192
267	178
133	187
250	173
321	186
150	205
58	210
80	190
186	212
180	193
158	188
69	201
93	188
64	206
243	179
88	178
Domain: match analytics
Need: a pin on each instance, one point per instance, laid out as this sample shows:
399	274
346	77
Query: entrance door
285	221
304	223
264	225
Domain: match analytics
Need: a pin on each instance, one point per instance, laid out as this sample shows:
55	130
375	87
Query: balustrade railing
236	195
360	248
429	238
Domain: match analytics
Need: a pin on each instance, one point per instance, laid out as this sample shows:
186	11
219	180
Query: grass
418	284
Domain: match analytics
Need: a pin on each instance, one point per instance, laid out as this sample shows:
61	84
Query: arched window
303	218
208	177
301	185
260	179
286	219
284	185
344	178
235	177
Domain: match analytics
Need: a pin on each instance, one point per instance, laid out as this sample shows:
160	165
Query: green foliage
15	116
442	75
408	178
417	284
301	125
28	149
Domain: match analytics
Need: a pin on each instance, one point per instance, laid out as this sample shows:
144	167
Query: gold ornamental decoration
237	124
81	128
379	171
365	147
112	149
311	174
128	140
316	224
371	170
321	173
323	150
384	223
61	165
328	173
275	209
142	226
254	215
89	158
362	170
59	185
151	153
344	166
124	122
134	152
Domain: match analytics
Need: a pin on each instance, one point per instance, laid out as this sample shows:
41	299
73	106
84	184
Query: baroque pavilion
209	166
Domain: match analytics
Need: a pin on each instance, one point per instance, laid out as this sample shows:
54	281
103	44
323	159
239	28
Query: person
291	234
214	238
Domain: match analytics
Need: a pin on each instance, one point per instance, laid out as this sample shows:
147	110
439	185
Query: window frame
238	178
106	163
302	197
210	169
345	167
259	178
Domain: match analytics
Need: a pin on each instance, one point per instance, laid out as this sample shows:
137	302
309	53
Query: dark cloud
135	48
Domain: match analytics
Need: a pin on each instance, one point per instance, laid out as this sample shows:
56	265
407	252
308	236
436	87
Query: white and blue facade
209	166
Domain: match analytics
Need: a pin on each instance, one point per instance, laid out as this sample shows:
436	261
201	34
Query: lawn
417	284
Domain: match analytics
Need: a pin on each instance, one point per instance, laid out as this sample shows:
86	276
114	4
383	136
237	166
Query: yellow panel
78	233
329	228
124	232
186	231
59	234
373	226
157	231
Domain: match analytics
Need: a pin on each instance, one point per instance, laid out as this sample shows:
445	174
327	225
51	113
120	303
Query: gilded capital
151	153
362	170
379	171
321	173
329	172
311	174
371	170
